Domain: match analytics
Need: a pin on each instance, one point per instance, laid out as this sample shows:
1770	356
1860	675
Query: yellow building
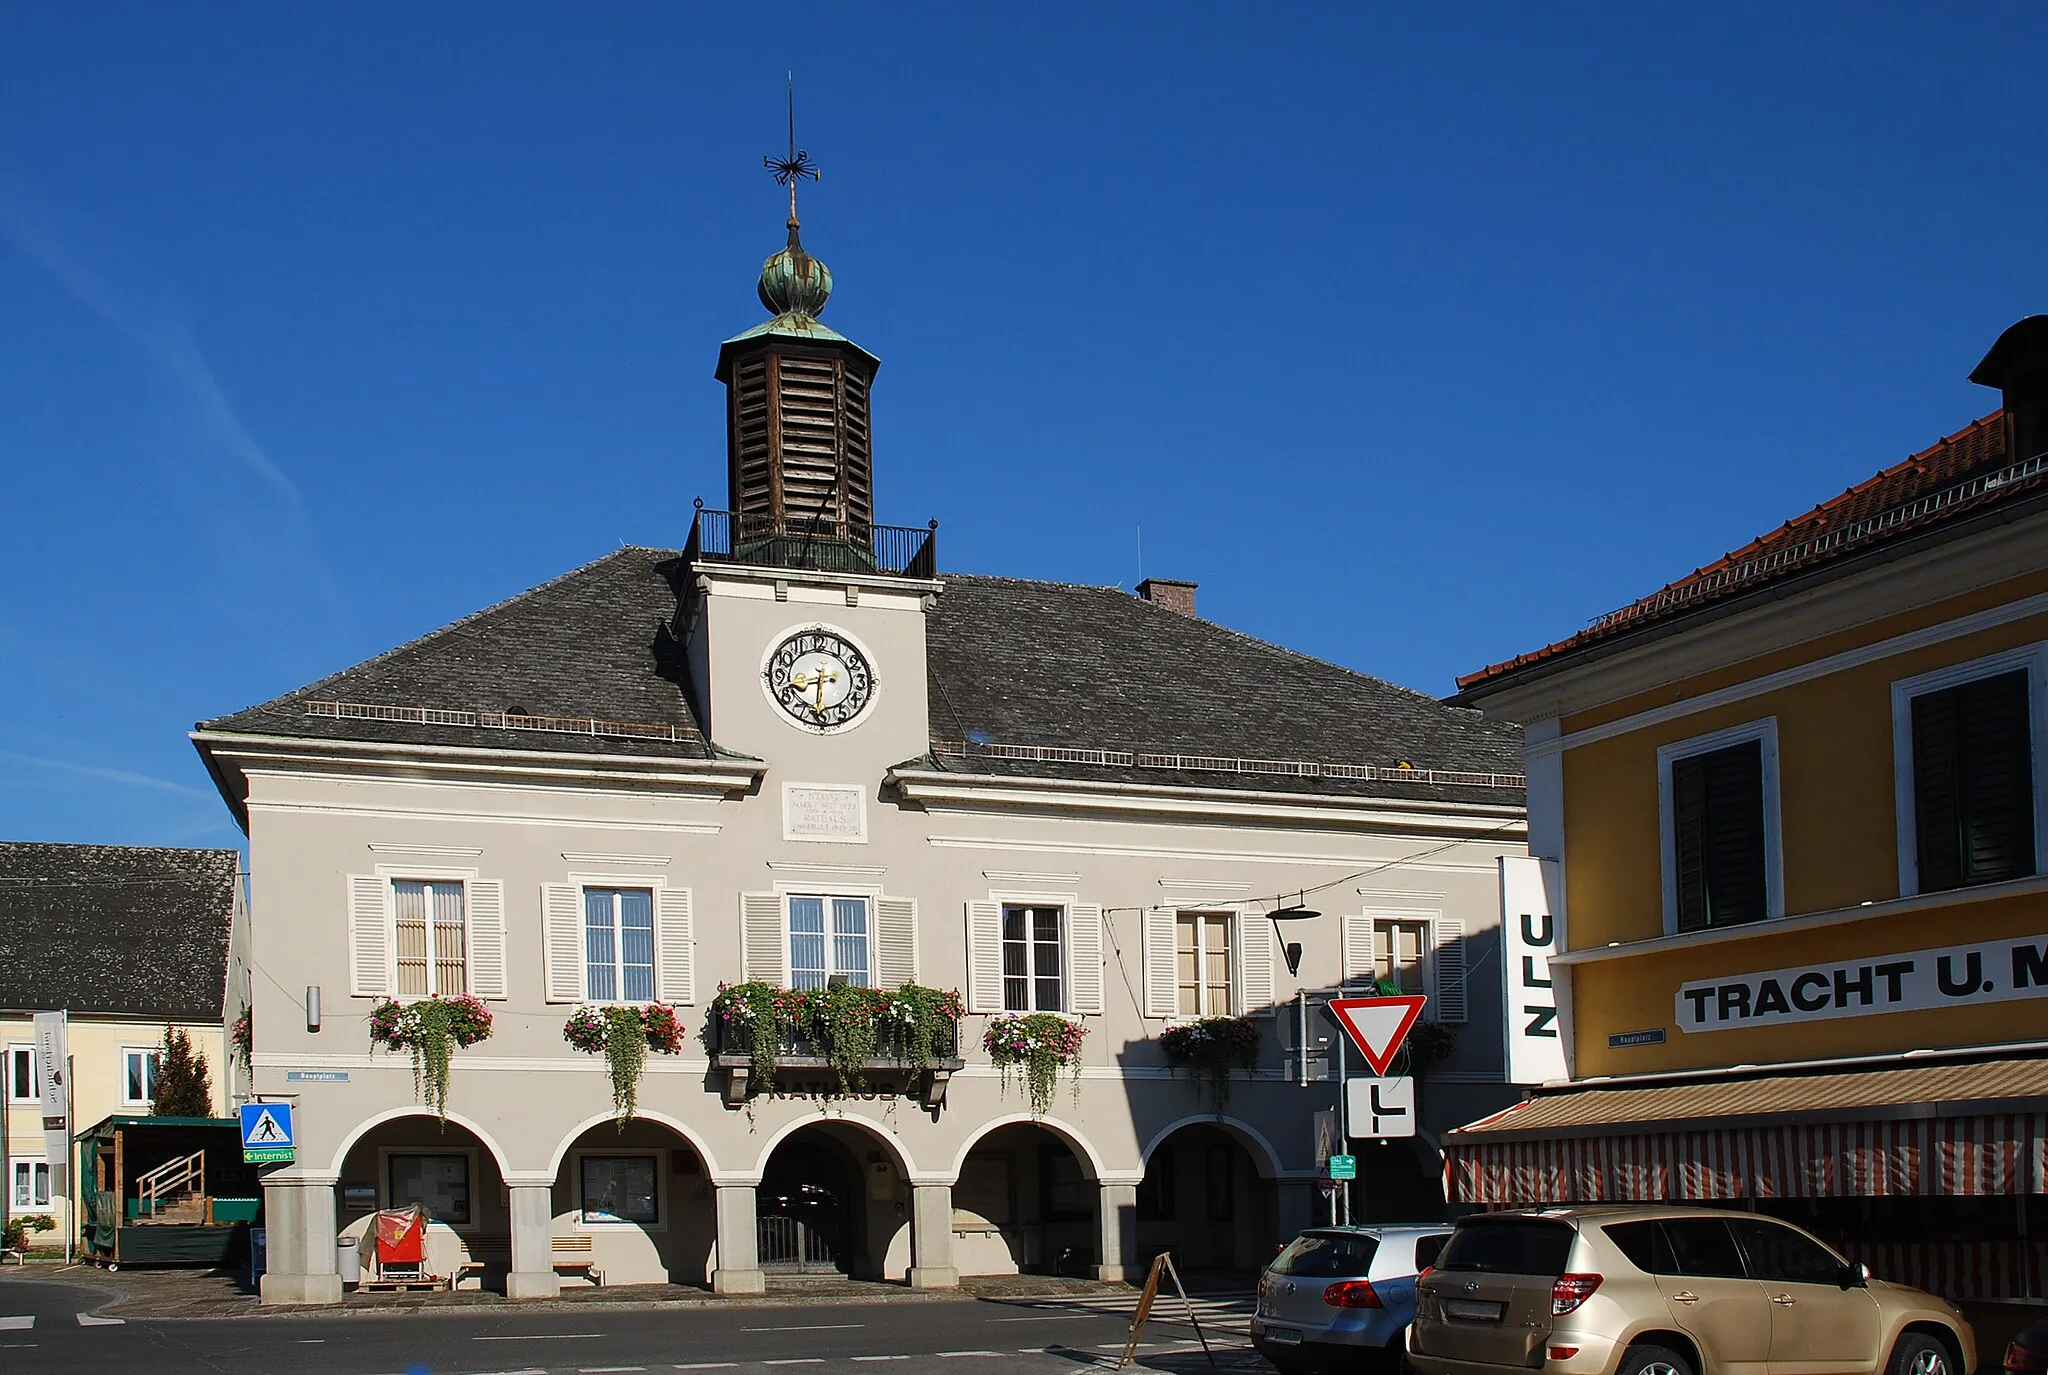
1791	816
130	941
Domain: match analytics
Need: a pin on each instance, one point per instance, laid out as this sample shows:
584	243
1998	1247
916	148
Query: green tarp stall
166	1191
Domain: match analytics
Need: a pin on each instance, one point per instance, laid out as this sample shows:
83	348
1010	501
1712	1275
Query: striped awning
1962	1156
1957	1130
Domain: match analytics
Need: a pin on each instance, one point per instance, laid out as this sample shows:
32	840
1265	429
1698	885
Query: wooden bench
569	1253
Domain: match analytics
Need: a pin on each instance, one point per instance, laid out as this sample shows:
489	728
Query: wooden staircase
172	1193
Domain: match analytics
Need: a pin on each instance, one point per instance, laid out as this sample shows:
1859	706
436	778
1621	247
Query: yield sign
1377	1026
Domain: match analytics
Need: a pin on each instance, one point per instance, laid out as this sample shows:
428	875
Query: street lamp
1291	949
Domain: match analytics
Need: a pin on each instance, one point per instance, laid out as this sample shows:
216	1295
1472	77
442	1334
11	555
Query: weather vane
797	166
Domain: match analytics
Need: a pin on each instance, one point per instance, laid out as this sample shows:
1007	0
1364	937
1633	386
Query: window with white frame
1032	978
1718	798
829	937
1202	963
618	945
138	1073
1399	949
31	1184
24	1085
621	1188
432	951
1970	773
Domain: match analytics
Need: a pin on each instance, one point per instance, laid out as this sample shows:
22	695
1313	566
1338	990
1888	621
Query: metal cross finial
797	166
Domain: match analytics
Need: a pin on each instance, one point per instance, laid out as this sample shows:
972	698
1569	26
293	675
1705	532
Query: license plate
1474	1310
1284	1336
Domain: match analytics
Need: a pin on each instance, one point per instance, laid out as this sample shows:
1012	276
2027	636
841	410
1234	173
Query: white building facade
797	753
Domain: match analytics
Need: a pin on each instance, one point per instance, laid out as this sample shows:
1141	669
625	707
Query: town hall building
799	757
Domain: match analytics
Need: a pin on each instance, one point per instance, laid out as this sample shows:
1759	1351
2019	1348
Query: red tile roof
1962	474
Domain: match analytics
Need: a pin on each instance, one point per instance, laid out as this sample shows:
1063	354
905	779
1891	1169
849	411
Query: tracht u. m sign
1910	981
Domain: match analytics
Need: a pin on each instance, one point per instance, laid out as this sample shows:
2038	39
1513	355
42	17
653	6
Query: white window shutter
1358	967
561	906
370	956
984	957
895	941
764	944
1254	965
1447	969
675	947
487	938
1162	978
1084	959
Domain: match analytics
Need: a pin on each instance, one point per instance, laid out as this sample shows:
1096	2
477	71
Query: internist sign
1911	981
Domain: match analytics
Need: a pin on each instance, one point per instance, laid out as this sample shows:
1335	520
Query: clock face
820	679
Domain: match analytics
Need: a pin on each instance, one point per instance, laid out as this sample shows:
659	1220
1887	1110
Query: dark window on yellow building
1717	834
1973	783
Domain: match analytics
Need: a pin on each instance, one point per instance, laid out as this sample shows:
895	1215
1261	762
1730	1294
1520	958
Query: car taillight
1570	1291
1563	1353
2025	1358
1351	1294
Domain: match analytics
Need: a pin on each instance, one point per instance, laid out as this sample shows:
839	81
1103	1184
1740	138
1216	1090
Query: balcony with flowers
841	1039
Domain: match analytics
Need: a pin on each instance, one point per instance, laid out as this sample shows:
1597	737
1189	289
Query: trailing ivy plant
624	1035
928	1019
431	1030
1213	1047
851	1026
242	1039
1035	1046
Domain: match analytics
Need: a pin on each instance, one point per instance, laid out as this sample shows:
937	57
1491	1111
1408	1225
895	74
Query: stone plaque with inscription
818	812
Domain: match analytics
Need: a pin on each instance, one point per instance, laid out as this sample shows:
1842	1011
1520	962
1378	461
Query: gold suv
1669	1291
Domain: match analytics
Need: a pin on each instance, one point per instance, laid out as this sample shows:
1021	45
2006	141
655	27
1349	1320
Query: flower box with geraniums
431	1030
624	1035
1212	1048
15	1234
757	1030
1035	1046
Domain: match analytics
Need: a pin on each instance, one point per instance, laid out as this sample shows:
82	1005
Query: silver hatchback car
1340	1297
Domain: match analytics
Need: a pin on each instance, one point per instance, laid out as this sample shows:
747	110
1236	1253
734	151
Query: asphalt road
49	1327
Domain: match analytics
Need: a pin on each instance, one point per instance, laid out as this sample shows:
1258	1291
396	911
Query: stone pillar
533	1242
1116	1231
298	1218
739	1252
931	1237
1294	1207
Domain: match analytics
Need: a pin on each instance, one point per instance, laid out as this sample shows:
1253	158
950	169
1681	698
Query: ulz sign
1911	981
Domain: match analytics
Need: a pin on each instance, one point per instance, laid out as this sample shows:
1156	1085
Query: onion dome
793	282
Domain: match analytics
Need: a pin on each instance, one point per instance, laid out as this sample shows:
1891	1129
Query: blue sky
1417	337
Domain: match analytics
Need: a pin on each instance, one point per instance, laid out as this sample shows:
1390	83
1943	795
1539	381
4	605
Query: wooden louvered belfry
799	449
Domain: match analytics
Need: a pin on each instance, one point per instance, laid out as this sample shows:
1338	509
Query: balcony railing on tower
818	544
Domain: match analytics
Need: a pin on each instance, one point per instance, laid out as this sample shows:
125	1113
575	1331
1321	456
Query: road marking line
609	1369
821	1327
542	1337
881	1358
1118	1346
708	1365
88	1320
970	1353
797	1360
1054	1317
17	1324
310	1341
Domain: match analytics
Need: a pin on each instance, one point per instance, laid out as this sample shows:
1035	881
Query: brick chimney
2018	366
1169	593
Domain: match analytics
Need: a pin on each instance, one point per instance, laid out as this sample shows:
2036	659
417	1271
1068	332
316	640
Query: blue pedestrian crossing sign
268	1135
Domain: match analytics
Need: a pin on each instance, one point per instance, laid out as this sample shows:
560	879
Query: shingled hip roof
117	930
1963	474
1029	679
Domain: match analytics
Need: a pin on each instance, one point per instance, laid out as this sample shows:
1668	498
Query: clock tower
806	637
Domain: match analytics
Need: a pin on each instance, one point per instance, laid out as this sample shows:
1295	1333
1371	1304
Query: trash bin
348	1260
259	1255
